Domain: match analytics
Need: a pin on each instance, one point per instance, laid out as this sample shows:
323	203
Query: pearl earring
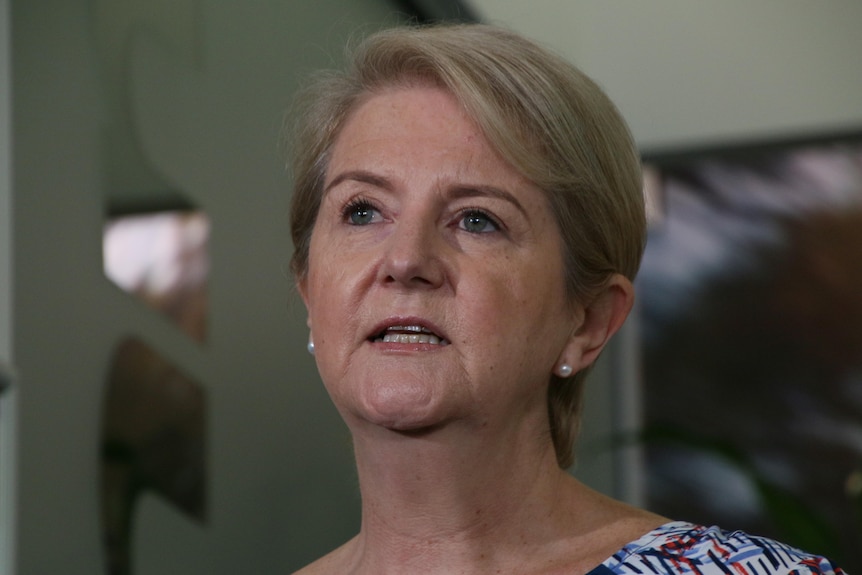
565	370
310	346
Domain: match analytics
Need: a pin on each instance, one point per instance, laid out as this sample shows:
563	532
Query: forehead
413	126
423	110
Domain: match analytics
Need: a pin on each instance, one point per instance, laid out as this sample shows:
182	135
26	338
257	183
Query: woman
467	221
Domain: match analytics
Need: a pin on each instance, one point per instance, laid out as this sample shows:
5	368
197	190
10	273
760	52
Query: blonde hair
543	115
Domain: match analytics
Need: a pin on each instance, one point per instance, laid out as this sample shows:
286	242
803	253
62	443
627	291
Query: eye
477	222
361	213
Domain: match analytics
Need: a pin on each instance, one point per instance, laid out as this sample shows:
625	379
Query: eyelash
473	211
355	205
359	204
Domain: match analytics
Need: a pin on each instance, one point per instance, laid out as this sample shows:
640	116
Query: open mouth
409	334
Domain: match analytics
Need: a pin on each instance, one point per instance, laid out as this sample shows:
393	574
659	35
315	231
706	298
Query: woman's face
435	286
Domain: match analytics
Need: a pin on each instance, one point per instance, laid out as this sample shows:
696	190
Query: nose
413	255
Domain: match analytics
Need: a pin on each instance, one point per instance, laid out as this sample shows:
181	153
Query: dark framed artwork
751	324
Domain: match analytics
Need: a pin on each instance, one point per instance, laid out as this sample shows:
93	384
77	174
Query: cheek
325	299
526	309
500	310
335	303
324	269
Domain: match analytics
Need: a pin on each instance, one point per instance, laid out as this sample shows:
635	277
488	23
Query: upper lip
407	323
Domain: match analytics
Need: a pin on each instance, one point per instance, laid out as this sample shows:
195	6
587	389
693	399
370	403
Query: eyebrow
361	176
478	191
459	191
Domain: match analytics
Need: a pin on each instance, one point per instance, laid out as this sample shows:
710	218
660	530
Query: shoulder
682	548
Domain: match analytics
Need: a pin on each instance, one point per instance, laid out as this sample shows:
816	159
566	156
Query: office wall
5	186
7	427
693	72
205	85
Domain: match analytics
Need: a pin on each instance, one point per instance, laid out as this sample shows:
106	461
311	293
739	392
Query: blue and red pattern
681	548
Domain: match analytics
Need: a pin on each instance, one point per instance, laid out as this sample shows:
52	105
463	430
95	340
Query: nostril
412	258
409	279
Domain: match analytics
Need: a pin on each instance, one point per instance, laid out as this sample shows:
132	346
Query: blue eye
361	213
477	222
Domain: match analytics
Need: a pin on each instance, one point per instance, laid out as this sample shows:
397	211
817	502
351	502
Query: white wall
5	187
207	101
689	72
7	422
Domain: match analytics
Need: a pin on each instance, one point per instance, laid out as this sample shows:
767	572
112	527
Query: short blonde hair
543	115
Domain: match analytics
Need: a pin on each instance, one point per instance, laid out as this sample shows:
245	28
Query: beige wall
5	186
206	84
7	427
726	70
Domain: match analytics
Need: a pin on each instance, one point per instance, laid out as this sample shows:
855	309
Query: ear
600	318
302	288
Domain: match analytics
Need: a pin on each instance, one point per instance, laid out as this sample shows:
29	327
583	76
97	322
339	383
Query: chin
400	407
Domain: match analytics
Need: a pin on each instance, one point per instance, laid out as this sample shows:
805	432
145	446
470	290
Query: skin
422	223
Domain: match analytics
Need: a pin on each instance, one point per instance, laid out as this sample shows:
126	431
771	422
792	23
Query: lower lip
406	347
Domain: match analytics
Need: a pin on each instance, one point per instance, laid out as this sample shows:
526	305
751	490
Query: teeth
411	338
416	328
414	334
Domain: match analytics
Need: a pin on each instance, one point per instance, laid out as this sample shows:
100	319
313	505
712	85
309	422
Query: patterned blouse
681	548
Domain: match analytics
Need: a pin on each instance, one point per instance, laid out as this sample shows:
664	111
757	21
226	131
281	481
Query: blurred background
164	417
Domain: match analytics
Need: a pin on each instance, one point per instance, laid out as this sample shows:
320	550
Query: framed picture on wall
751	319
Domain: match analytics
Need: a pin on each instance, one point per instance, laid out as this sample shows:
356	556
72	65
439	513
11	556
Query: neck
458	498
